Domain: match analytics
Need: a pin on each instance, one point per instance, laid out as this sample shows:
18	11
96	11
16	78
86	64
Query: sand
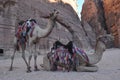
109	69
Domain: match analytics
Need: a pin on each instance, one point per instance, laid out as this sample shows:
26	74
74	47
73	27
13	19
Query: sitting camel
37	34
84	66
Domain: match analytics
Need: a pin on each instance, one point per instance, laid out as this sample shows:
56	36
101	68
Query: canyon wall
112	16
67	19
104	17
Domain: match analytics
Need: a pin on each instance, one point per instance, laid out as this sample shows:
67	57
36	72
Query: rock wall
104	17
98	17
92	13
73	3
38	9
112	15
7	23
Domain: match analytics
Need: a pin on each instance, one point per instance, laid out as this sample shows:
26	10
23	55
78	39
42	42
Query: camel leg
46	63
92	68
28	67
12	59
35	60
30	57
35	63
23	56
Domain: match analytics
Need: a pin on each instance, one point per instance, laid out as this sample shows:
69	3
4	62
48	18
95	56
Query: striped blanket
81	53
62	55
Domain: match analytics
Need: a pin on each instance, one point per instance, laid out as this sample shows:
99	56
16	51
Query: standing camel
37	34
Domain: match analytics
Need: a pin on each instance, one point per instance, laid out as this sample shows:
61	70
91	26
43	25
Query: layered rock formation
7	23
92	12
67	19
98	17
112	15
103	16
73	3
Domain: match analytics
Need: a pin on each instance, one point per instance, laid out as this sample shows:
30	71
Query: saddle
65	56
61	57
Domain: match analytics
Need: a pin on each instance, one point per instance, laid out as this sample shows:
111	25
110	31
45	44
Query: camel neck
49	27
100	48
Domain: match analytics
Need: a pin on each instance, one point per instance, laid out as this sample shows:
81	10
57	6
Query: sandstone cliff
103	15
7	23
112	15
92	12
67	19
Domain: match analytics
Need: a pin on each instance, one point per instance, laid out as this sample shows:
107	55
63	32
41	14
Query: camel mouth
105	38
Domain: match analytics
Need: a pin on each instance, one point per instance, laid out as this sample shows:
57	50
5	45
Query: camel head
103	40
100	44
54	14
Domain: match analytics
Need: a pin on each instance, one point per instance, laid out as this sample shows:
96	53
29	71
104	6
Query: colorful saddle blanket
62	55
81	52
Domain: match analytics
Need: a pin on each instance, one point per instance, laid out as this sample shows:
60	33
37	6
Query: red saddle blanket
62	55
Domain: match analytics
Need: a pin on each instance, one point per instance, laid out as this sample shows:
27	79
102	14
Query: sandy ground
109	69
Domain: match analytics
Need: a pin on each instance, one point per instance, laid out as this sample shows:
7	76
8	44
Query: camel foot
41	65
36	69
87	68
28	70
10	69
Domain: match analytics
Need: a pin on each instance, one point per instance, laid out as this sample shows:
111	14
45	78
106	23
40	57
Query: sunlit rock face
73	3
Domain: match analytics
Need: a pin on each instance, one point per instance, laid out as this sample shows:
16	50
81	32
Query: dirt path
109	69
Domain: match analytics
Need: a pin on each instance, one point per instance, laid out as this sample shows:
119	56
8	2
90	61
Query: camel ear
56	11
51	14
